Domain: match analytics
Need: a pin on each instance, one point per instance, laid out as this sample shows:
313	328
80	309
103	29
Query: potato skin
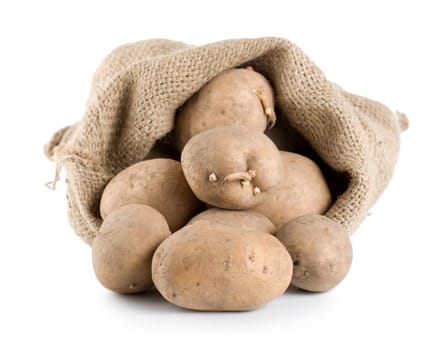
249	220
320	249
122	251
159	183
229	150
227	99
303	191
215	267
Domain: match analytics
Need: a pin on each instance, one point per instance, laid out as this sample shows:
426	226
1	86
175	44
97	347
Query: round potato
232	167
216	267
240	97
159	183
122	251
249	220
303	191
320	249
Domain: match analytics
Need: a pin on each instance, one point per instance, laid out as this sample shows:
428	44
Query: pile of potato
232	224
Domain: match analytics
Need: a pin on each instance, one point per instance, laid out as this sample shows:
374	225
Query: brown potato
303	191
240	97
216	267
232	167
248	220
122	251
159	183
320	249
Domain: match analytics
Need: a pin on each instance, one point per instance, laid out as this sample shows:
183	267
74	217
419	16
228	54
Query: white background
49	296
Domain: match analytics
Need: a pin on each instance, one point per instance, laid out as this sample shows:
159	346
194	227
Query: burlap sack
138	87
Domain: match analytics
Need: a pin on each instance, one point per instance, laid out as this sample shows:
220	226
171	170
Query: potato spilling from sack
247	219
320	249
122	252
207	266
232	167
158	183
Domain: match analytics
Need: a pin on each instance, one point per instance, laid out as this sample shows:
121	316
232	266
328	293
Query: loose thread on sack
52	184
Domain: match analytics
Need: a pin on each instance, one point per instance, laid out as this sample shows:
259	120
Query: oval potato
320	249
232	167
239	97
216	267
159	183
122	251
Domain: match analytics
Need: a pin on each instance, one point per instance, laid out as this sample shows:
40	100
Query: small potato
232	167
122	251
216	267
159	183
303	191
320	249
248	220
239	97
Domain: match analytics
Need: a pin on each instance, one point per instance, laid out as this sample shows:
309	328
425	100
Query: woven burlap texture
138	88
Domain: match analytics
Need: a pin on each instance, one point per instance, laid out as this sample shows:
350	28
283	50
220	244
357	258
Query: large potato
122	251
303	191
207	266
240	97
232	167
159	183
249	220
320	249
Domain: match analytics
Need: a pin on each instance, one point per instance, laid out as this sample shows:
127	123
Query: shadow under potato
150	301
163	149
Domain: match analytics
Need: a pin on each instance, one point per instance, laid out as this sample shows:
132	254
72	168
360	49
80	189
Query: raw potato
249	220
122	251
159	183
216	267
303	191
240	97
232	167
320	249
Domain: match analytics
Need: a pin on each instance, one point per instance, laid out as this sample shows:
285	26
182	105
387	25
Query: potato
320	249
249	220
240	97
302	191
122	251
232	167
159	183
216	267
